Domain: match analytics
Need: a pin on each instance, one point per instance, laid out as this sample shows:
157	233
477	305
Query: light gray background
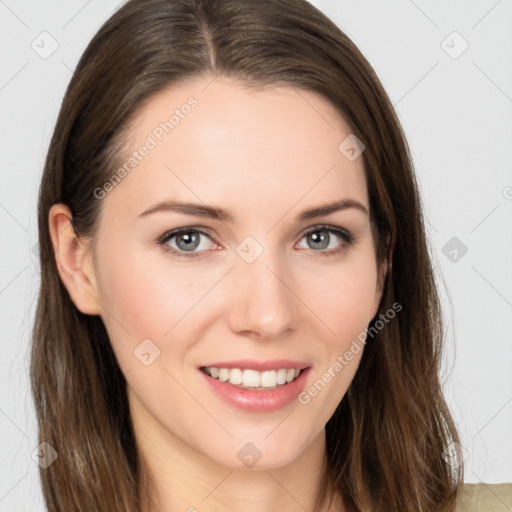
457	115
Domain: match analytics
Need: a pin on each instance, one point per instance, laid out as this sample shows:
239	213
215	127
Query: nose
263	304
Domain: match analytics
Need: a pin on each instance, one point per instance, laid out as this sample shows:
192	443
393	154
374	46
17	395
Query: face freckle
264	156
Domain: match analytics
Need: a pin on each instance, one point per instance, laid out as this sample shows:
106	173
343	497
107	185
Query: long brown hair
386	439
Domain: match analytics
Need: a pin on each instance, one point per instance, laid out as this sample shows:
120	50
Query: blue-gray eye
321	238
187	240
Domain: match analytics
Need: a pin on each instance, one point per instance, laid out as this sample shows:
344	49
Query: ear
73	257
383	273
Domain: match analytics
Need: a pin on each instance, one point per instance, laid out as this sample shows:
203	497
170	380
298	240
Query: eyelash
347	237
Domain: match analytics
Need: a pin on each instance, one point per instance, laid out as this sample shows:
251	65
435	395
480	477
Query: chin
257	453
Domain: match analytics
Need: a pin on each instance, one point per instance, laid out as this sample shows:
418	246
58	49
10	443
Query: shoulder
485	498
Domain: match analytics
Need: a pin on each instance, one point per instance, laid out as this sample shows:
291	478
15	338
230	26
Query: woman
237	305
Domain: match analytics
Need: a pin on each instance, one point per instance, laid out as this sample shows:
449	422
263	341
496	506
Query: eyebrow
217	213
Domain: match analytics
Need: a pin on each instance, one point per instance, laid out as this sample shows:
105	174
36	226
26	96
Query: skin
265	156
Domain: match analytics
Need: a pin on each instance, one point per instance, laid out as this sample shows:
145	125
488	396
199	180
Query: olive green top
485	498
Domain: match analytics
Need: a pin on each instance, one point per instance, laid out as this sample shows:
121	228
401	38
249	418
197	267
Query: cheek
142	293
145	296
344	305
132	296
343	296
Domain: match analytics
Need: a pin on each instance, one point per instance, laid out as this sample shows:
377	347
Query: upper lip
261	366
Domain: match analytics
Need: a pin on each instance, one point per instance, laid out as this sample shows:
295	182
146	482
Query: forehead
220	142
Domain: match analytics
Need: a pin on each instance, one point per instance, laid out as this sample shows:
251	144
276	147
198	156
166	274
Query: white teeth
268	379
253	378
281	376
235	376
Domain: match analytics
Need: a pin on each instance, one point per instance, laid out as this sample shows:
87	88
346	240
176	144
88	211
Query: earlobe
73	257
384	273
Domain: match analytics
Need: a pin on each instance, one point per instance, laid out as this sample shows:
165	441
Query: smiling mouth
253	379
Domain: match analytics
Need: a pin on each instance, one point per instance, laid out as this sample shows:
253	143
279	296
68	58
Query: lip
258	401
260	366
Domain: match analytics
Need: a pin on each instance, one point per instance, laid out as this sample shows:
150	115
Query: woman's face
254	282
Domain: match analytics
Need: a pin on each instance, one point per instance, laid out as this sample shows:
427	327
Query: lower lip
259	401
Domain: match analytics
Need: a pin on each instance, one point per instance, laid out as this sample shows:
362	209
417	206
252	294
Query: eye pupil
319	239
187	241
